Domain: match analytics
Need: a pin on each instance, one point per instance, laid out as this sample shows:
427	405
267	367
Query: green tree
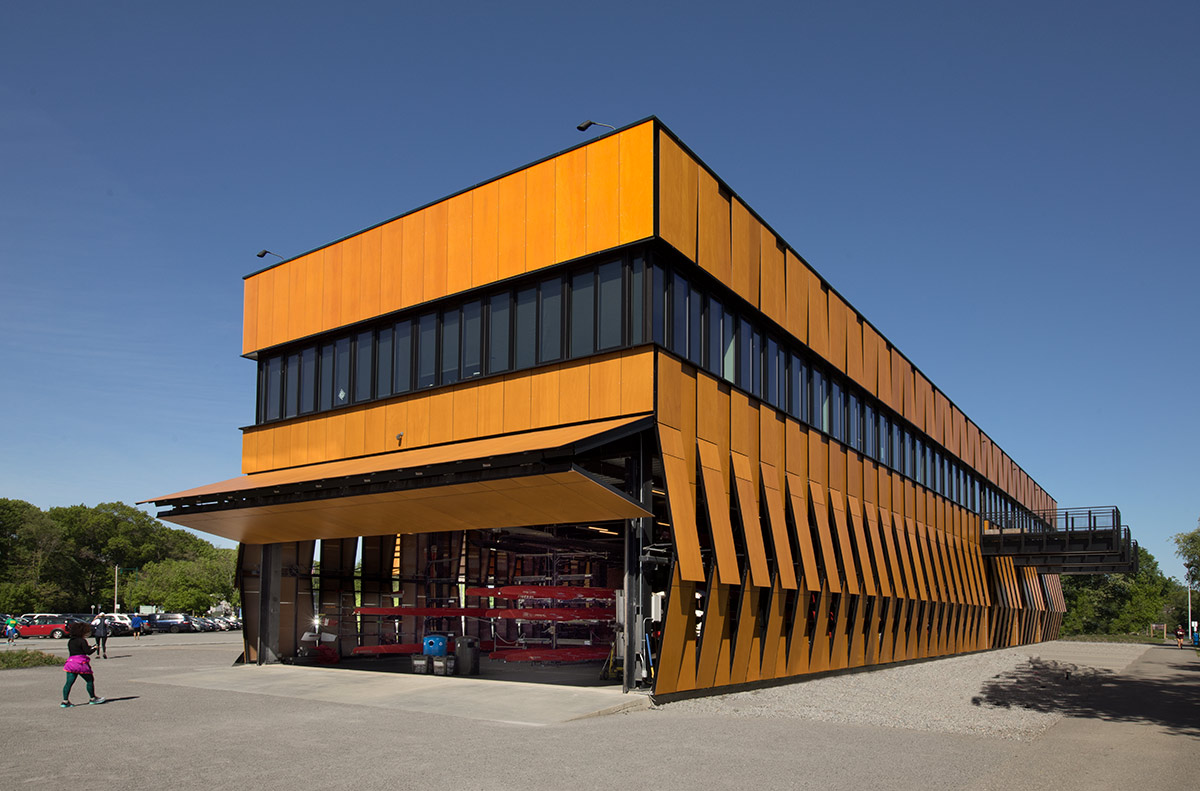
191	586
1117	603
1187	547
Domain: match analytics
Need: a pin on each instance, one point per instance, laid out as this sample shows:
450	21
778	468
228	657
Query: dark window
820	400
327	356
771	358
499	330
363	358
525	342
729	351
795	387
746	364
920	465
341	372
885	439
291	388
450	346
404	357
870	431
274	388
805	396
679	315
854	422
308	379
550	308
781	363
384	358
658	299
610	313
715	347
472	339
756	363
637	302
696	328
583	314
837	410
427	350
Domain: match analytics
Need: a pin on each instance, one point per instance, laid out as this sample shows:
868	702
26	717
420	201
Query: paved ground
180	717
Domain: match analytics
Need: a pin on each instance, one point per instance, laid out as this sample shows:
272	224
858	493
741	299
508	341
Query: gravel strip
1007	694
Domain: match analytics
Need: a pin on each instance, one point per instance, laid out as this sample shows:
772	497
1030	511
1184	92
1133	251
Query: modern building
596	408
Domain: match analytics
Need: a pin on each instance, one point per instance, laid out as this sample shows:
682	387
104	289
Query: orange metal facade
806	555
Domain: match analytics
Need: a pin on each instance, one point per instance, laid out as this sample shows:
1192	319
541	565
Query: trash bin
466	652
434	645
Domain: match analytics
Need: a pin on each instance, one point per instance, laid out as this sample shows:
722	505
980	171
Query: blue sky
1009	193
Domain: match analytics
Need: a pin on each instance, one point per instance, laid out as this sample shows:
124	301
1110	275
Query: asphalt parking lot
180	717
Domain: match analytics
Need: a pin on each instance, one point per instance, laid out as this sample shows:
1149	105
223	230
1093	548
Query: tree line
1130	603
63	560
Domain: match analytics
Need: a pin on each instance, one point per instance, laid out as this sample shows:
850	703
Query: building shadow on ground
1076	691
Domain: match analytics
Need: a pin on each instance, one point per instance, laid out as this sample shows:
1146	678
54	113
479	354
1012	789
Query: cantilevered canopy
510	481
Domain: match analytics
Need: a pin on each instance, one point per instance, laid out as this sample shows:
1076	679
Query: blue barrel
434	645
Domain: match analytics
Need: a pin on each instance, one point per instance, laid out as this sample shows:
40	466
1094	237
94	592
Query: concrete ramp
507	702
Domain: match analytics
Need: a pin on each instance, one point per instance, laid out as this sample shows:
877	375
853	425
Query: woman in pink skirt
78	664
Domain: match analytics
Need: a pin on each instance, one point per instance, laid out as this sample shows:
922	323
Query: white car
119	623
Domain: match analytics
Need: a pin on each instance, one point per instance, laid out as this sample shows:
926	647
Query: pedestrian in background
136	624
100	631
10	629
79	663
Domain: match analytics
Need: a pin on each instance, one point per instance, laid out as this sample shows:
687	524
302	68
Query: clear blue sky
1009	192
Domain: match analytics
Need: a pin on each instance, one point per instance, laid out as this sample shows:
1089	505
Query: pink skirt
78	663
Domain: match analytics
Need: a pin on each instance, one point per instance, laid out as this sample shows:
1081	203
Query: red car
45	626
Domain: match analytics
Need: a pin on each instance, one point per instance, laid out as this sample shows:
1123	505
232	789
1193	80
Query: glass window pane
402	370
291	388
583	313
658	301
696	328
364	358
771	377
449	351
715	347
729	362
745	363
550	310
781	367
679	314
274	388
870	431
383	362
854	422
472	339
326	376
756	363
308	379
838	409
609	276
427	350
637	302
795	386
499	331
920	461
805	394
341	372
525	342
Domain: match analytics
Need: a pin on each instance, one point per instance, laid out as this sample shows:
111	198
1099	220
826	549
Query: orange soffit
562	438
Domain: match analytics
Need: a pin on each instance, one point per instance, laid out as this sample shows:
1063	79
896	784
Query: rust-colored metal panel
677	196
717	497
883	550
390	245
838	316
743	244
670	404
923	393
412	265
899	367
933	569
760	575
839	648
857	646
637	183
774	647
713	232
779	530
545	397
820	511
864	549
250	310
818	660
483	204
637	382
747	647
844	549
818	315
459	238
574	392
886	392
437	237
771	288
603	194
672	655
715	634
799	501
854	348
540	244
797	296
906	532
604	375
871	344
681	499
798	651
570	204
510	215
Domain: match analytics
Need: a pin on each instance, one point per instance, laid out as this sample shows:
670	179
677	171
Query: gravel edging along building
596	409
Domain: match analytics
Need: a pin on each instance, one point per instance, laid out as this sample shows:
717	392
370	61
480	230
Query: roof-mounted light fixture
588	124
262	253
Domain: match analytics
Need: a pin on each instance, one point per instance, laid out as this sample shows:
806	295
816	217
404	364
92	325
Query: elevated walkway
1088	540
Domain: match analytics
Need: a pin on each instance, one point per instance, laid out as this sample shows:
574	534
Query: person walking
100	630
79	663
10	629
135	623
1179	635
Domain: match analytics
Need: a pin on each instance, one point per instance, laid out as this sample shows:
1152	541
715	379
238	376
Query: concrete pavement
181	718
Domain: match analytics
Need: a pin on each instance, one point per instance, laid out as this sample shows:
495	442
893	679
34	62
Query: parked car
172	622
118	623
46	626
